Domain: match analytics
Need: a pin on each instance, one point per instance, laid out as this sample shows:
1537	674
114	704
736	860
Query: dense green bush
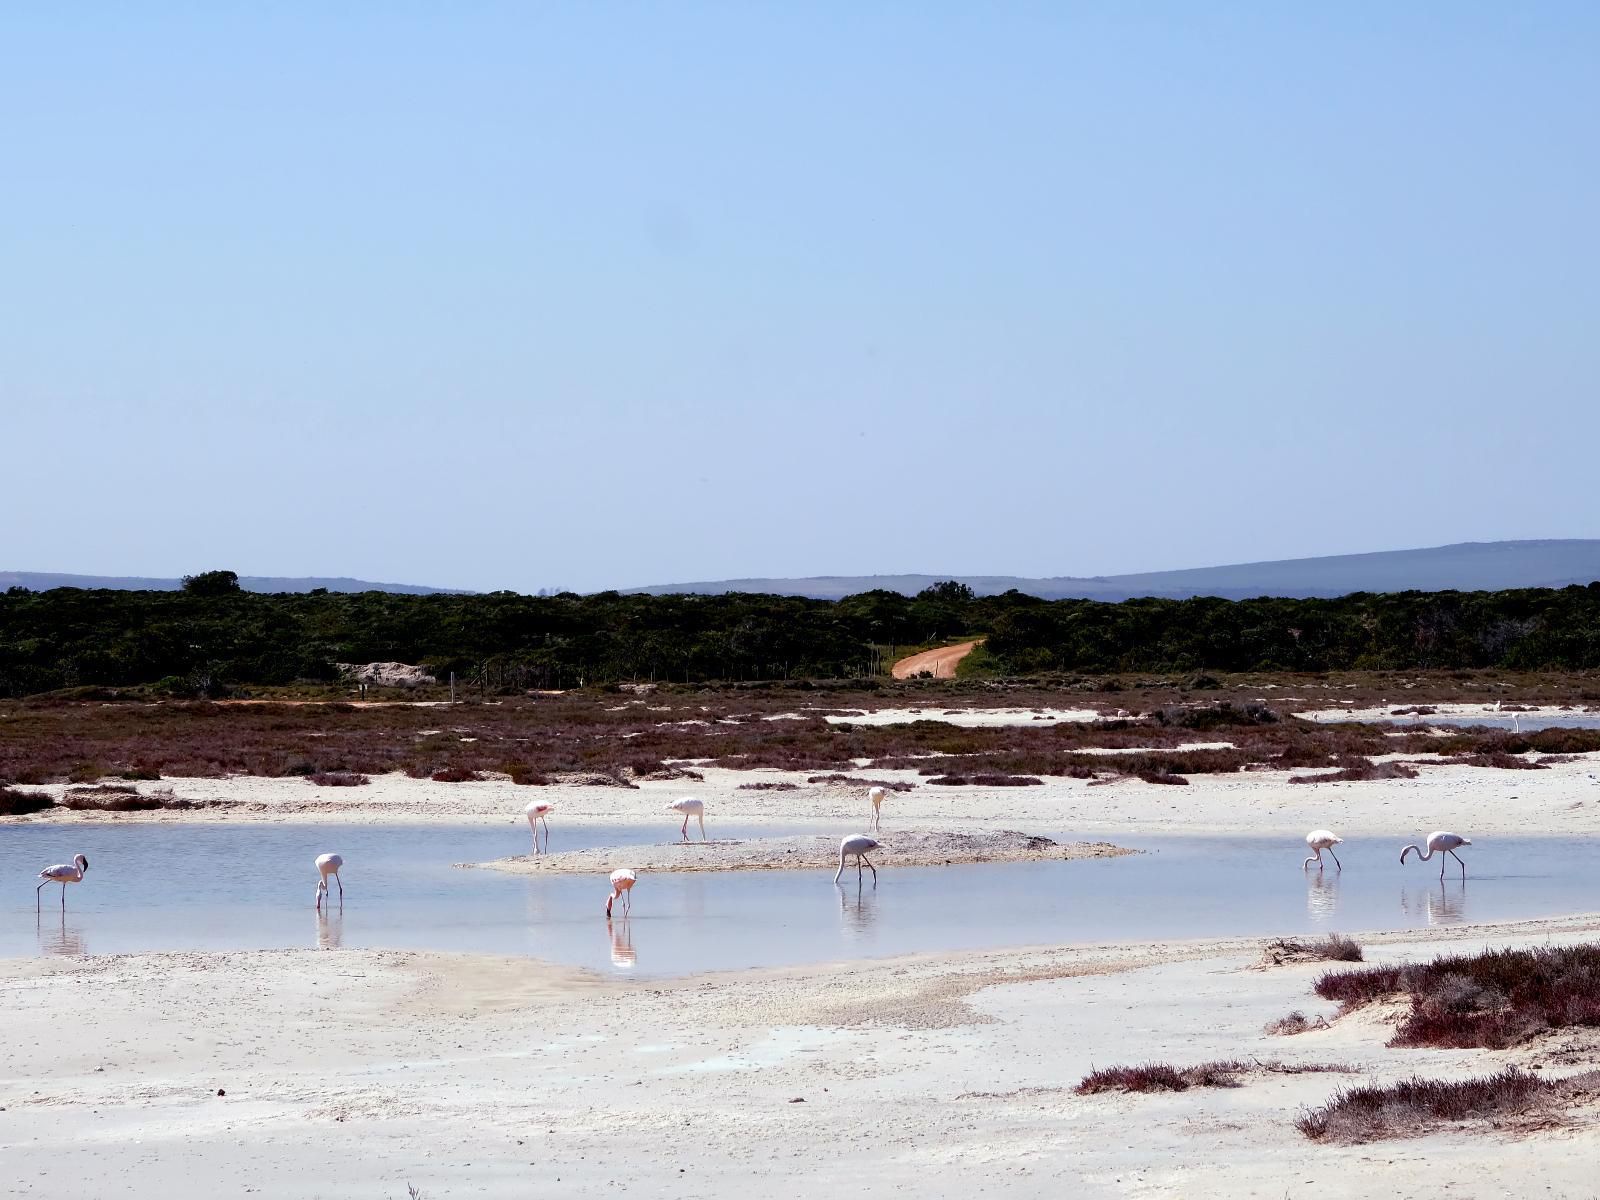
204	640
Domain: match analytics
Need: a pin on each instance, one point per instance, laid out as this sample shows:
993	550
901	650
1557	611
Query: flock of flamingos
857	846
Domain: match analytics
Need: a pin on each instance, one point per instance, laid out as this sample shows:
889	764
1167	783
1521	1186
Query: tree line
211	636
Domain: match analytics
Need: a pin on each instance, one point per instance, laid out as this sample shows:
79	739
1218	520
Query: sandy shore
357	1073
1561	800
809	853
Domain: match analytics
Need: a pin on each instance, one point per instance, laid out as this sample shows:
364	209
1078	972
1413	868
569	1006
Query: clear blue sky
589	295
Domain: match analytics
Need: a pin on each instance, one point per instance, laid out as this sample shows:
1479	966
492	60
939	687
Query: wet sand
809	853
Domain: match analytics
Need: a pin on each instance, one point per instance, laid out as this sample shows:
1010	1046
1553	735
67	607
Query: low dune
929	848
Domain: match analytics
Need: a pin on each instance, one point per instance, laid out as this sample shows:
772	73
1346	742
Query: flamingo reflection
1443	904
61	940
330	929
623	956
1322	896
858	913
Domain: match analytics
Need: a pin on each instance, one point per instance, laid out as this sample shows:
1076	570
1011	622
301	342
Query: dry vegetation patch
338	779
14	802
1511	1099
1360	772
109	797
605	735
1293	1023
1492	1000
1334	947
1164	1077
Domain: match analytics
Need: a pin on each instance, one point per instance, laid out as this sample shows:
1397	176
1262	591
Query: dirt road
942	662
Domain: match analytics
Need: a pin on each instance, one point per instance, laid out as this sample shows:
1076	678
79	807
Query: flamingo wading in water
857	846
538	811
62	873
876	795
1441	843
329	864
621	887
689	806
1320	840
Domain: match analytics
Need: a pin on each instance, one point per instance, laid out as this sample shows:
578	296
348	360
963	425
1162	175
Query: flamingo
858	846
329	864
876	795
621	885
1320	840
62	873
1441	843
690	807
538	811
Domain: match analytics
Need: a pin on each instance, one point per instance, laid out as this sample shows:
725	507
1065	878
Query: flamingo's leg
38	902
340	882
63	896
685	830
1460	860
1336	861
870	867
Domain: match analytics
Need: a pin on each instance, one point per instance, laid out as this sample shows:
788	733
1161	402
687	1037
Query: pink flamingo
1441	843
876	795
1320	840
62	873
857	845
621	886
690	807
329	864
538	811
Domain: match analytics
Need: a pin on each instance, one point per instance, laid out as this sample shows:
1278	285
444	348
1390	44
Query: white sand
1562	799
354	1074
971	718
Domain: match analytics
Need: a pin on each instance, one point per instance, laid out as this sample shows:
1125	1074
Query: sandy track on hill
941	661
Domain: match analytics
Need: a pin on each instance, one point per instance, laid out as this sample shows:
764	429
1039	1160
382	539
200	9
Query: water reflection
623	955
858	907
1444	903
330	929
1322	896
58	938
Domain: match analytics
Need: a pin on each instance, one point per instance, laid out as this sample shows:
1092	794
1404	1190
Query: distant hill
1467	566
43	581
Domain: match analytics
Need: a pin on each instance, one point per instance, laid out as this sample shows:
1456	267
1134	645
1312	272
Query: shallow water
172	887
1526	722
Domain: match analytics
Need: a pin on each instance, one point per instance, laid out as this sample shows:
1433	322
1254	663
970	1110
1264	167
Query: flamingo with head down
858	847
1441	842
1320	840
536	812
621	888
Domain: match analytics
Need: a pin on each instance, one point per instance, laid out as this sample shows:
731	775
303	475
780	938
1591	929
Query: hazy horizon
601	297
